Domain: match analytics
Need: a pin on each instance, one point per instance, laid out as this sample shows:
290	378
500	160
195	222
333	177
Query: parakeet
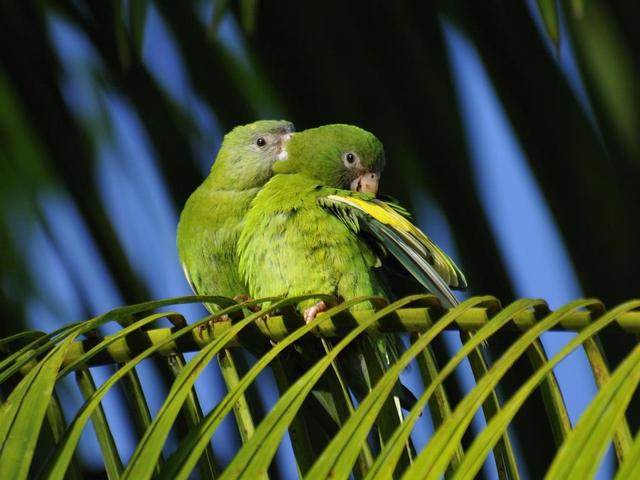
213	216
316	227
306	233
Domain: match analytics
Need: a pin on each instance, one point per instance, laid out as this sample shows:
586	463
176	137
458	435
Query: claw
311	312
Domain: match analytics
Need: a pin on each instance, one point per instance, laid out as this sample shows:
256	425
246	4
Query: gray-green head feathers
339	155
248	152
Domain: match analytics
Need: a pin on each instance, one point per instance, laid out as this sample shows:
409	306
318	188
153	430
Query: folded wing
391	228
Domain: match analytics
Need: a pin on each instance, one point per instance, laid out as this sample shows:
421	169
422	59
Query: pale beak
283	154
367	182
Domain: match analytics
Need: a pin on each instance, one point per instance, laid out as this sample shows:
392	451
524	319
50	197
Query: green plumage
292	246
305	233
213	216
305	230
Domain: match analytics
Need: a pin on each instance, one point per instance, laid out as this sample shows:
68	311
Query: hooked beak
366	182
284	139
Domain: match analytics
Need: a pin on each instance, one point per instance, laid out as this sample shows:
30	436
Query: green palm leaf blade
581	454
39	375
439	407
19	337
337	459
150	446
83	358
581	451
622	436
484	442
219	10
65	449
344	408
137	401
21	416
630	466
192	414
551	395
506	462
79	357
112	461
387	459
55	417
137	19
463	414
241	409
608	64
549	13
301	436
184	458
58	424
20	358
255	456
29	353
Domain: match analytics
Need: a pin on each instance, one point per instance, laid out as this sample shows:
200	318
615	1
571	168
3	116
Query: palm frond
31	373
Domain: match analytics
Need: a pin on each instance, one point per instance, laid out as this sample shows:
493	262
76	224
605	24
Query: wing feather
390	226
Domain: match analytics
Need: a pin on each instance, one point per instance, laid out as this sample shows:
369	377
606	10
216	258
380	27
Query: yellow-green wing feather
390	226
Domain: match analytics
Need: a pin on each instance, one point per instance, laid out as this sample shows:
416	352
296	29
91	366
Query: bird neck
286	192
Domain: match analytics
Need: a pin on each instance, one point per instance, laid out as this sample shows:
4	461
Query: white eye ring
350	159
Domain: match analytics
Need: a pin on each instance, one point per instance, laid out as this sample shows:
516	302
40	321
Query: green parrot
214	214
317	227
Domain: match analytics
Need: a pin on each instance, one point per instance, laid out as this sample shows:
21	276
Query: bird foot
311	312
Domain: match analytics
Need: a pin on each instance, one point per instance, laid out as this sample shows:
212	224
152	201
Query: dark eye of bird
350	157
261	142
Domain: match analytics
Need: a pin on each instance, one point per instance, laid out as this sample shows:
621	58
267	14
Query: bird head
341	156
248	153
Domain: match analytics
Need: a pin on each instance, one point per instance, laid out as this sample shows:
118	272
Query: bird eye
261	142
349	158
